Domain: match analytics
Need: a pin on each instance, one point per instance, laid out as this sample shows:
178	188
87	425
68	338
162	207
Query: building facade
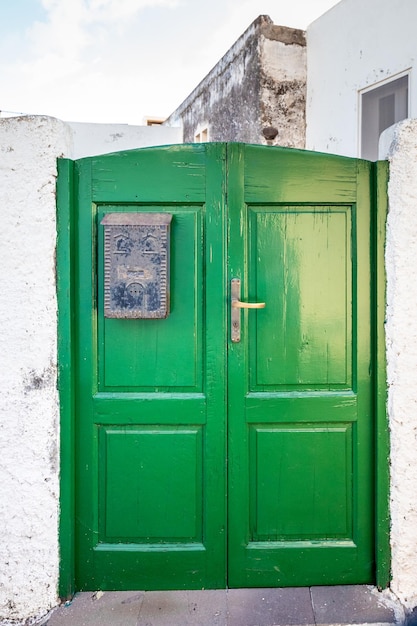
259	85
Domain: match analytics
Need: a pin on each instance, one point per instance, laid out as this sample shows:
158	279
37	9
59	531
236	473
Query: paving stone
350	604
116	608
183	608
269	607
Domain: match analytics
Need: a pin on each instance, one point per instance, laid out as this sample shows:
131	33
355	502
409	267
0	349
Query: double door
226	444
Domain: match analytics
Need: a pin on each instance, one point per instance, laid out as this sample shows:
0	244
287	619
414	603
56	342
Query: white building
361	74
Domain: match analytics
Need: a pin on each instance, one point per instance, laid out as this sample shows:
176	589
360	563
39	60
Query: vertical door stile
382	508
65	295
215	347
238	503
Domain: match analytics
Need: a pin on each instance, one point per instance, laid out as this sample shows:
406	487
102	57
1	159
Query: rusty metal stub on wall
136	265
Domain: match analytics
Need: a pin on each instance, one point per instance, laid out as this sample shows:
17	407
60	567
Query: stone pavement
301	606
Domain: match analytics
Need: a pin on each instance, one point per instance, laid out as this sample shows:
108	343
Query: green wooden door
300	405
150	415
202	461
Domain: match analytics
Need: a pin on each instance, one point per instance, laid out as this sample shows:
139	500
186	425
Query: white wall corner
401	347
29	407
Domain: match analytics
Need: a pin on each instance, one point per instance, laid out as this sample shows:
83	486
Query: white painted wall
91	139
401	341
29	417
353	46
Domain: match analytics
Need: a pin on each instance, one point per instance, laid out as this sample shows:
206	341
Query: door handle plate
236	305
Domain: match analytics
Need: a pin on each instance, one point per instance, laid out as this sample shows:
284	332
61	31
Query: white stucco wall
29	417
401	338
91	139
351	47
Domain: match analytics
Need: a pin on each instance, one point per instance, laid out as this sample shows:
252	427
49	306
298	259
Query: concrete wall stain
35	381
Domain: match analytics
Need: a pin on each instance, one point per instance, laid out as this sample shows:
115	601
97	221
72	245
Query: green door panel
151	394
300	408
202	462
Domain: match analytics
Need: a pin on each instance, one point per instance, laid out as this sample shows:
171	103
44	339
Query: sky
119	61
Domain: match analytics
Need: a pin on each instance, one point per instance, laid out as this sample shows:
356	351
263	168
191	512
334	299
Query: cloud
117	60
77	57
102	10
72	25
118	10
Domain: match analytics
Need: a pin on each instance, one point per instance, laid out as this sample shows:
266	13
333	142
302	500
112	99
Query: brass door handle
237	304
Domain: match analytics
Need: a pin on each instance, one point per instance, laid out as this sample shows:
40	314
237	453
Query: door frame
67	191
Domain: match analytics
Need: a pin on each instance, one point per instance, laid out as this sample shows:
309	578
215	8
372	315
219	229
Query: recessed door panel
138	353
301	261
143	499
292	496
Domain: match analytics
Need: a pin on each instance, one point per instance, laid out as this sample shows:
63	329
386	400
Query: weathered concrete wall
401	341
353	46
259	82
283	84
29	417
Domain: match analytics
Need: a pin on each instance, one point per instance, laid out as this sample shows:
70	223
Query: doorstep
296	606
